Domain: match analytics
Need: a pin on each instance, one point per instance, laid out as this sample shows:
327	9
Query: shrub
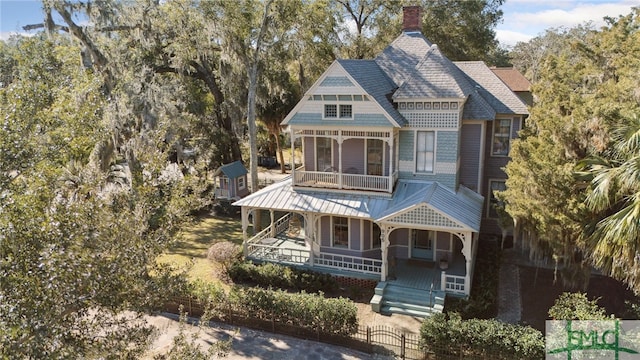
576	306
282	277
224	252
448	334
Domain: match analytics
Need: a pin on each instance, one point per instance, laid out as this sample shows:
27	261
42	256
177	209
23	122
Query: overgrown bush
225	253
330	315
483	301
282	277
448	334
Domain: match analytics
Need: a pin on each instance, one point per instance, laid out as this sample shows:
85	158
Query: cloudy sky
523	19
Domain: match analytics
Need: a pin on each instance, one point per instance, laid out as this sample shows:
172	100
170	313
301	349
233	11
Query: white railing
345	262
366	182
349	181
221	193
282	224
453	283
316	179
277	254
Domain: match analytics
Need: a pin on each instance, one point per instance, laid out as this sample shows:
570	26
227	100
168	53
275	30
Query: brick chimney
412	18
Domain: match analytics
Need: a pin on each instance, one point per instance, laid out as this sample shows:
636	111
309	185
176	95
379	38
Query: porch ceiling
462	210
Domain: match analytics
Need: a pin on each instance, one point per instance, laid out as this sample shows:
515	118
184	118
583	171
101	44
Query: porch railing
336	180
453	283
221	193
346	262
281	255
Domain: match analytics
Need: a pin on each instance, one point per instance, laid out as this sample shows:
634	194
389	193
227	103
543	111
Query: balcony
343	181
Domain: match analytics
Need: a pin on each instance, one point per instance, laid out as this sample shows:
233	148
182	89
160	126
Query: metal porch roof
463	207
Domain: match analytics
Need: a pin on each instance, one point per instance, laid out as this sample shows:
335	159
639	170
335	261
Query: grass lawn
196	240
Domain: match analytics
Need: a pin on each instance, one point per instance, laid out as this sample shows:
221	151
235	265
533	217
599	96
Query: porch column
339	159
245	224
390	143
310	234
273	228
384	247
293	155
467	251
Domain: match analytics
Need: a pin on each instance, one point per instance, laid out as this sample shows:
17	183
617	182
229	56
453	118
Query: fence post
402	345
368	335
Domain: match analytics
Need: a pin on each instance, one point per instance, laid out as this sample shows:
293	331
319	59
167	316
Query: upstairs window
425	141
501	137
375	152
345	112
338	111
330	111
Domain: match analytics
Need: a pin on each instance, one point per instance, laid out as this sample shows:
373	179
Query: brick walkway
509	302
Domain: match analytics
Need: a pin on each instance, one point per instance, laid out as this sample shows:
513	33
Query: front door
422	242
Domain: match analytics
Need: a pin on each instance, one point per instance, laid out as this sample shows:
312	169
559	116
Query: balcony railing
336	180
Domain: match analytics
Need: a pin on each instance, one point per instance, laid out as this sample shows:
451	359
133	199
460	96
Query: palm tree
612	237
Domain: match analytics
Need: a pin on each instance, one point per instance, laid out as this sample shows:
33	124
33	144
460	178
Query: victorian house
400	155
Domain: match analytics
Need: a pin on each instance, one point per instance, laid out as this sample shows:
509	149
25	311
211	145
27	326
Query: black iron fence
370	339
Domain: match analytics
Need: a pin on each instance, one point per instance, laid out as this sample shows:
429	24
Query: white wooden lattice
424	216
432	119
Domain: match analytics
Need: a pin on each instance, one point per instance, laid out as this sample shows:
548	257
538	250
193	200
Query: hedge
480	336
337	316
282	277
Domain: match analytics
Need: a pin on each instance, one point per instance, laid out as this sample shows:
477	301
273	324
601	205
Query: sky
522	20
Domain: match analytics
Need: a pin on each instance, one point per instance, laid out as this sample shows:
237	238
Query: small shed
231	181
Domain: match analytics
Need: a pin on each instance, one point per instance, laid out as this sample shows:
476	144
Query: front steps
395	299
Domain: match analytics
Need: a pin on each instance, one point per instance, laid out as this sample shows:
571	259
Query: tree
463	30
582	98
527	56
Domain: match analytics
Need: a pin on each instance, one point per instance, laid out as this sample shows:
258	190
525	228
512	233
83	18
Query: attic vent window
331	111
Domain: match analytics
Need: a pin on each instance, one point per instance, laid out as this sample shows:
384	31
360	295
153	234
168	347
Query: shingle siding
336	81
448	180
406	147
447	146
307	118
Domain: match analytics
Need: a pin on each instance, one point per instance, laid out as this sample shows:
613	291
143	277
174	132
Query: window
340	231
424	151
495	186
330	111
345	112
323	154
241	183
375	153
501	137
375	236
335	111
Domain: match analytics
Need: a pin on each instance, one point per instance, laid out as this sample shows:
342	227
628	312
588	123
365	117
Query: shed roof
232	170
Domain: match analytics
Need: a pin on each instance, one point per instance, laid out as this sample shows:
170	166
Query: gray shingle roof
399	59
492	89
434	76
375	82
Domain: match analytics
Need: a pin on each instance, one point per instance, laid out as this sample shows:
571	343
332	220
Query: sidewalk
509	301
250	344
